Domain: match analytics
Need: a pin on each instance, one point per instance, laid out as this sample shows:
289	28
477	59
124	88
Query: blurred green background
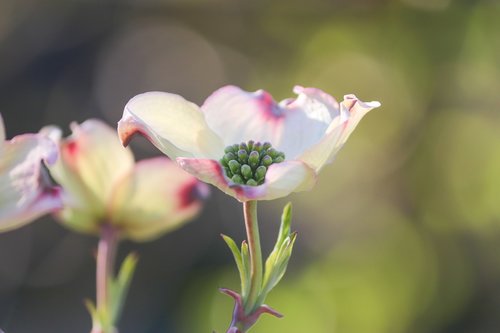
400	235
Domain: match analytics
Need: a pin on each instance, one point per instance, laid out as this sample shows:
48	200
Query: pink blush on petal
72	148
270	110
192	192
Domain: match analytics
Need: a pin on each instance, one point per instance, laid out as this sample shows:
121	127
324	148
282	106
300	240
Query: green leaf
282	263
276	268
276	253
93	311
286	221
120	285
100	320
237	258
245	259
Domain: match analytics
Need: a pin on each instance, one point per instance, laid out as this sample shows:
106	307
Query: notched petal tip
351	100
127	130
128	127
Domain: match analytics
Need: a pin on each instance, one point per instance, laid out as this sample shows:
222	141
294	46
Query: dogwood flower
107	194
101	184
245	143
25	191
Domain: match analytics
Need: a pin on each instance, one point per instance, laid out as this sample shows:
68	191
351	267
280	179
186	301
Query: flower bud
246	171
243	146
257	147
266	160
253	158
252	182
237	179
234	166
278	159
260	173
228	157
243	156
272	152
250	145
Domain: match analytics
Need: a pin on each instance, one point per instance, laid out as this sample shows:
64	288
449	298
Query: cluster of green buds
247	163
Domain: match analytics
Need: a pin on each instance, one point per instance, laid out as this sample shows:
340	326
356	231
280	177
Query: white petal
287	177
351	112
326	149
290	126
308	118
25	193
157	196
172	124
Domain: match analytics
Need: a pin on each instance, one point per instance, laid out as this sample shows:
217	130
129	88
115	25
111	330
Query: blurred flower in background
399	235
101	185
105	193
26	192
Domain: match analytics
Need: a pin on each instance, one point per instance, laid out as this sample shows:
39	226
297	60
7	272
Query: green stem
256	270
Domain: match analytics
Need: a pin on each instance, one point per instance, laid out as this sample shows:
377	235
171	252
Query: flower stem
106	252
256	270
248	309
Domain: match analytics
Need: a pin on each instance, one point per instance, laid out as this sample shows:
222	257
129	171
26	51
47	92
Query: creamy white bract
309	130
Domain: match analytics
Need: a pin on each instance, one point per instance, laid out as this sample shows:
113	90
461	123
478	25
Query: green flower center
247	163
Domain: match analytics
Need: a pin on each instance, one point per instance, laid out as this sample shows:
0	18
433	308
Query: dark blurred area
400	235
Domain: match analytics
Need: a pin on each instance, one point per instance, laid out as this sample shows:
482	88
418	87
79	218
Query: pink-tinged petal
237	116
281	179
351	112
210	171
172	124
291	126
157	196
91	162
25	191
